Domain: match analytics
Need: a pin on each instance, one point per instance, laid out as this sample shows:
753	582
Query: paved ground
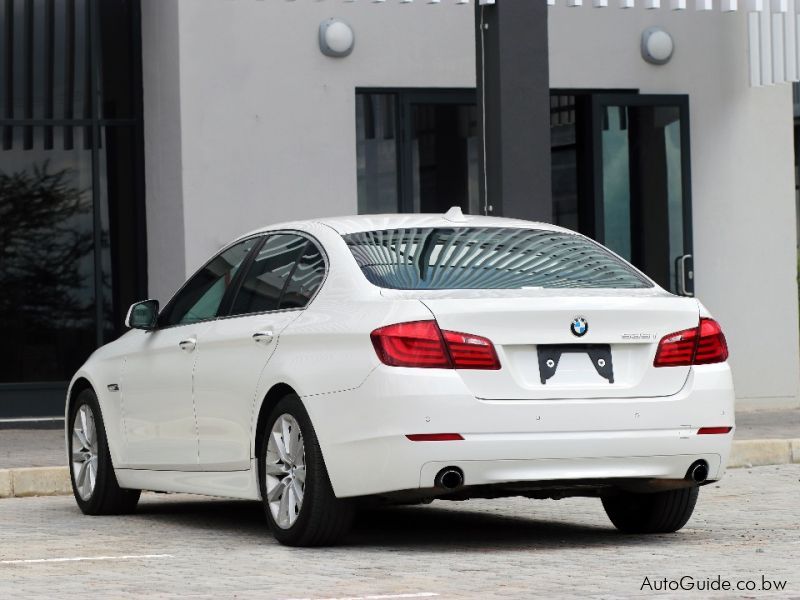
32	448
45	447
768	424
744	528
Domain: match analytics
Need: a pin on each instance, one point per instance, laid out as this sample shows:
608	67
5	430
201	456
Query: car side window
305	279
265	280
202	295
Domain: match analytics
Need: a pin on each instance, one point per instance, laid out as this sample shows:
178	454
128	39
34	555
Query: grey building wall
247	123
161	69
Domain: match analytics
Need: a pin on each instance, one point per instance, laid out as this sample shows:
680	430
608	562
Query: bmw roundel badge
579	326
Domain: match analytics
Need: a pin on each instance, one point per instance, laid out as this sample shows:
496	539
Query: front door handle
263	337
188	344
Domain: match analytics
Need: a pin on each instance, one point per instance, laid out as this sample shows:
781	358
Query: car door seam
194	408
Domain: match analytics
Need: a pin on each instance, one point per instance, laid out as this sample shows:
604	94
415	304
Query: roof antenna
454	215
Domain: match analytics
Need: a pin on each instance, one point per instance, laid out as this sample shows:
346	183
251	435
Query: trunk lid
520	323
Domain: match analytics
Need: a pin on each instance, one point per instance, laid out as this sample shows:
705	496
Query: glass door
439	153
417	150
641	184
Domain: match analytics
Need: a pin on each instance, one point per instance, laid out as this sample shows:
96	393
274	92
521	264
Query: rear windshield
437	258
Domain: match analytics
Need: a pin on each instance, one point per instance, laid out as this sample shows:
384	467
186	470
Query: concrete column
514	108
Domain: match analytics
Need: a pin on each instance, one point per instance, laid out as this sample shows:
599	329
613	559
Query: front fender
99	377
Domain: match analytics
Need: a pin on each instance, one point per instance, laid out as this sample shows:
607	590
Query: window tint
201	297
487	258
270	270
306	278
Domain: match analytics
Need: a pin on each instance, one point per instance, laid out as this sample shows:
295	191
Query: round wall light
657	46
336	38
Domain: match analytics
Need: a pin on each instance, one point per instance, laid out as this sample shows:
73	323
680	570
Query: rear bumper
362	433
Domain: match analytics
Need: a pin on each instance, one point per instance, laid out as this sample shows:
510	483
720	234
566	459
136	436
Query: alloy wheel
285	471
84	452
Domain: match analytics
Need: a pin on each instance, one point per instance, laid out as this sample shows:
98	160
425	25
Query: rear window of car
437	258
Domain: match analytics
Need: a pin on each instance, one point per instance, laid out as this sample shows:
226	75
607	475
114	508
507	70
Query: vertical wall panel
754	48
88	136
27	74
69	70
8	70
776	33
795	16
765	49
49	69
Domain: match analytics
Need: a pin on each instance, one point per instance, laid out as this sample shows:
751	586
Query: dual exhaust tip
449	478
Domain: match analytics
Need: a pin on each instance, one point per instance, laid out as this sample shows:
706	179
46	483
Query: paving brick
745	526
6	487
796	451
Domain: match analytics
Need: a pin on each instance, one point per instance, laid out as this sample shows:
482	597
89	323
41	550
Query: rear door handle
263	337
188	344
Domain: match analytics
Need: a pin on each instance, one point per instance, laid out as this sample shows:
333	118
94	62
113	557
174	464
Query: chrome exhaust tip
698	472
449	478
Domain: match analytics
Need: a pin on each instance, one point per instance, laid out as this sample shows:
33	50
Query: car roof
453	218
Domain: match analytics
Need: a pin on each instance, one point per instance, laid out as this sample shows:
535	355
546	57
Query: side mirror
142	315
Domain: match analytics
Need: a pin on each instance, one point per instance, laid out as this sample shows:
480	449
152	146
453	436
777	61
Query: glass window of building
71	190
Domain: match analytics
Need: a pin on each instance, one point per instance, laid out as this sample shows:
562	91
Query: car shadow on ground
430	527
438	526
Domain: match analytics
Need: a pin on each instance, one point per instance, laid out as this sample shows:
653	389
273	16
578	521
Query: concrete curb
755	453
55	481
34	481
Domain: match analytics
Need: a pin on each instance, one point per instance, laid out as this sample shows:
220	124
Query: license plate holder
599	354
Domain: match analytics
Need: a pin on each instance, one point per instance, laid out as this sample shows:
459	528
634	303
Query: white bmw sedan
320	365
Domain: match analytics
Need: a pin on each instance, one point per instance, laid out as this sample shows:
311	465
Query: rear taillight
676	349
470	351
415	344
423	344
711	345
702	345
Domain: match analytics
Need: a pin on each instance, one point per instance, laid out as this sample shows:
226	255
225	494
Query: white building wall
267	133
269	121
166	250
745	239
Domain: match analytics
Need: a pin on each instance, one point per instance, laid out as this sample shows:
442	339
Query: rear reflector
713	430
423	344
702	345
434	437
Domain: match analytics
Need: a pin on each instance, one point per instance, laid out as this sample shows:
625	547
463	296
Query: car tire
298	498
659	512
94	483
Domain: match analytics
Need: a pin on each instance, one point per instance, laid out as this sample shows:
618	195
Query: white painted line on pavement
376	597
78	558
33	420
